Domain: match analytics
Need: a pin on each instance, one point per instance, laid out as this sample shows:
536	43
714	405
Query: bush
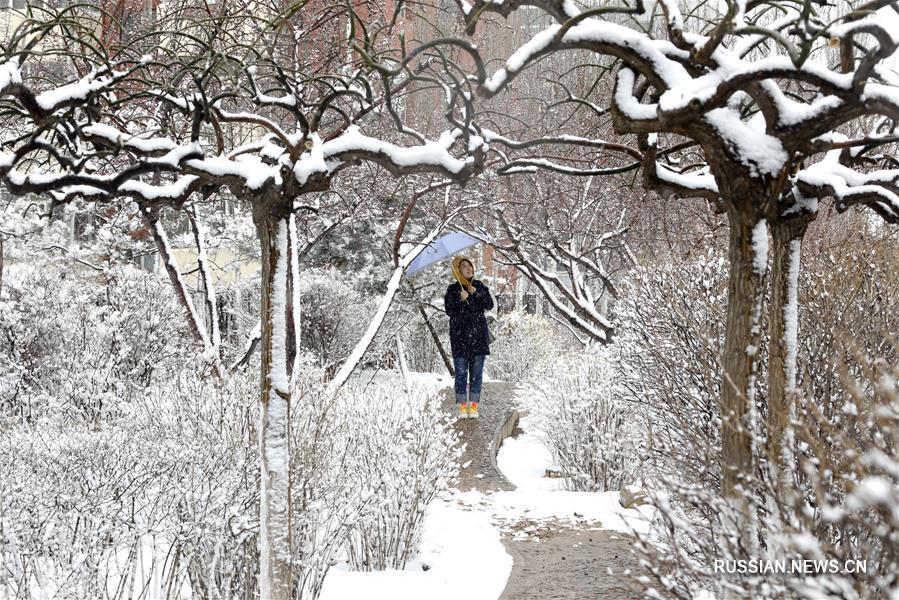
836	503
156	500
524	343
404	452
79	343
166	496
365	466
666	361
334	316
596	439
830	504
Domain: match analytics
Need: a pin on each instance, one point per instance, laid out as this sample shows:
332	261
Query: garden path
551	560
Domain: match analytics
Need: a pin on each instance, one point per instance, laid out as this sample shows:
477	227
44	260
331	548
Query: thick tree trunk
746	290
783	325
272	225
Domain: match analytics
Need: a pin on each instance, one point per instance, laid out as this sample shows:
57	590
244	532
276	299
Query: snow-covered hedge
597	440
163	498
334	315
836	505
78	342
524	343
671	325
832	502
405	452
165	495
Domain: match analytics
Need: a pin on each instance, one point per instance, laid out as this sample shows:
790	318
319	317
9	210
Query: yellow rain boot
463	410
473	410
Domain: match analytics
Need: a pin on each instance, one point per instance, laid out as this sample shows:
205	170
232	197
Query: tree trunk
272	226
746	290
783	328
424	315
151	218
446	360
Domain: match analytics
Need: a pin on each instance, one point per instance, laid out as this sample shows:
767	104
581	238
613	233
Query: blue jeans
469	372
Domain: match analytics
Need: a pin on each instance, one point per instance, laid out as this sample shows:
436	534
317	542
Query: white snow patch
156	192
9	73
430	153
627	103
429	383
77	90
760	247
535	45
694	181
254	172
461	544
791	311
127	139
755	149
524	460
462	550
311	162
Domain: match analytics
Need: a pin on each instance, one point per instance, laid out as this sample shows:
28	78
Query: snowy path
477	434
554	556
489	539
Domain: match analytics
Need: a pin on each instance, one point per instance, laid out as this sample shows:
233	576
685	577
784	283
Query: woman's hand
463	295
471	289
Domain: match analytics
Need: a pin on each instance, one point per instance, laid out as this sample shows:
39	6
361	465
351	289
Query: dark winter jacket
468	327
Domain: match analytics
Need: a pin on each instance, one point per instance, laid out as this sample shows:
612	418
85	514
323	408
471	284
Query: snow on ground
461	550
461	553
431	383
524	461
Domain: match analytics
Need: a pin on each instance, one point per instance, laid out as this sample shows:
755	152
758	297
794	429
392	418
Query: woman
465	303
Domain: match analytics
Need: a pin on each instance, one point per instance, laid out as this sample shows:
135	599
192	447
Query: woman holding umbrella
465	302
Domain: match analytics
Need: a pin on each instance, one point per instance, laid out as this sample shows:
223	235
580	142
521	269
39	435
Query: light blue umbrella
441	248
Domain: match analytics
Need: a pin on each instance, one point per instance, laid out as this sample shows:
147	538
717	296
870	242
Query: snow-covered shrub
849	303
405	452
324	494
78	342
846	507
334	315
824	506
835	505
671	335
421	351
165	495
215	502
597	440
524	343
163	499
671	326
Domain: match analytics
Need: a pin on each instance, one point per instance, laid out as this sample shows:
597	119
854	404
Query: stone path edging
503	431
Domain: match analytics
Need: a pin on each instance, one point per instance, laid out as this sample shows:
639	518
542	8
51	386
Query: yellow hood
457	273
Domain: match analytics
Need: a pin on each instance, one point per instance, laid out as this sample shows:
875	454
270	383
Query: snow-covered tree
235	97
762	108
569	242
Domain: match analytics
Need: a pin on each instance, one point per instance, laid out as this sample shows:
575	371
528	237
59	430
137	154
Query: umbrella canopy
441	248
